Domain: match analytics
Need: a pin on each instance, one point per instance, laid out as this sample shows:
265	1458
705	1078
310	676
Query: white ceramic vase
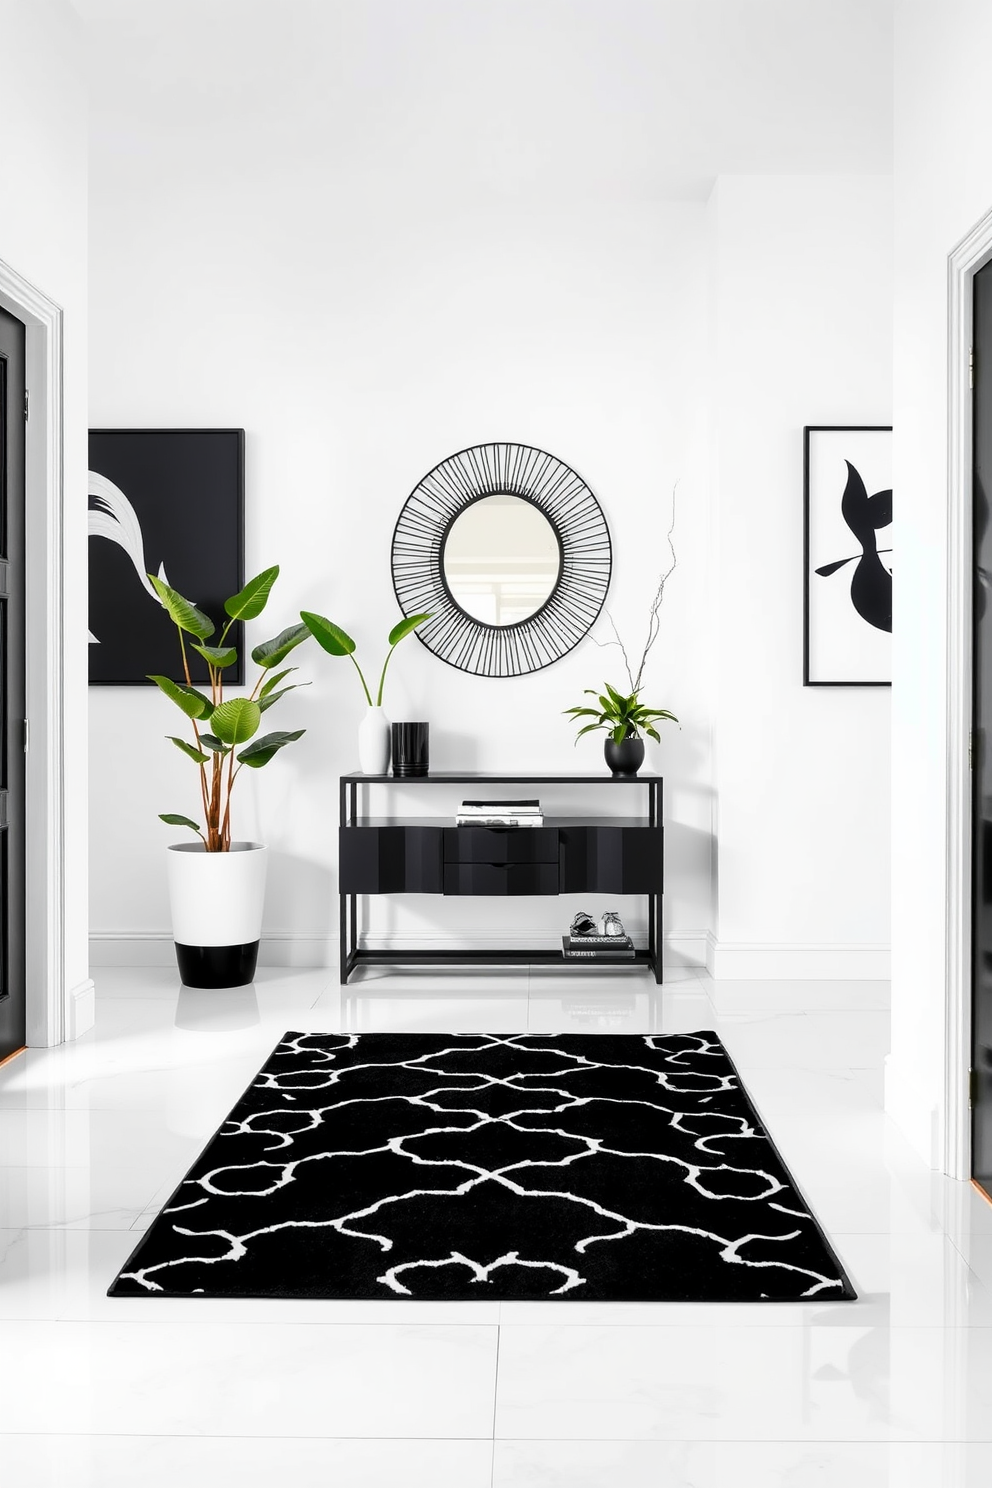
217	901
373	742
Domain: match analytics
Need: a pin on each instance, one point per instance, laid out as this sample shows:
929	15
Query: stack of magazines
597	948
500	814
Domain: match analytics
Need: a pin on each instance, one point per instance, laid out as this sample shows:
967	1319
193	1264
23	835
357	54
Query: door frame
47	995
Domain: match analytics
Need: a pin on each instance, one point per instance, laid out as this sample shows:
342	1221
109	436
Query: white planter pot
217	901
373	742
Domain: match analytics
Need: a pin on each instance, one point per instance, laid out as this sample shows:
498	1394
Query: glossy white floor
895	1389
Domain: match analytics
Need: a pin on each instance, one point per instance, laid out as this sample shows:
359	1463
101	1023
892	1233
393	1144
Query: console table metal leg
656	937
343	937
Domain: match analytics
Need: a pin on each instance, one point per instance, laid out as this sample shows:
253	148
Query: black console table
614	854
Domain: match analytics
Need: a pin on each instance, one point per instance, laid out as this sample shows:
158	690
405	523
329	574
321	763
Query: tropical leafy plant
337	642
622	717
224	730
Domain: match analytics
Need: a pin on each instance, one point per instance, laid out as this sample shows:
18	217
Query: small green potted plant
217	884
373	731
625	719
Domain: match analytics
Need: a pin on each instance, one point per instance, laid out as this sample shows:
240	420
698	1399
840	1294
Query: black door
11	684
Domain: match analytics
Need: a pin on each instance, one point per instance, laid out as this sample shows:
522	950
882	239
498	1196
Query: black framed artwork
847	527
169	502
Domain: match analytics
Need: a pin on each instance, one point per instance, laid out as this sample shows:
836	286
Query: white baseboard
81	1012
766	960
155	948
917	1118
724	960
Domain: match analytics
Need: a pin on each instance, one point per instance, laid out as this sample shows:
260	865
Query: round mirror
501	559
507	551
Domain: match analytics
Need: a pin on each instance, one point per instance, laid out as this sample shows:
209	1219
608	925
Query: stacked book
500	814
597	948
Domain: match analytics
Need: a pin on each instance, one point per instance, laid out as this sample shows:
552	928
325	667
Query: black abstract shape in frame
871	582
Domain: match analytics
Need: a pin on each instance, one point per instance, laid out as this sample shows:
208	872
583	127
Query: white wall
943	185
374	234
400	346
802	334
43	206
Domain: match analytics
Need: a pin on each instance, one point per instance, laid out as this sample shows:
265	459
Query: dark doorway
12	726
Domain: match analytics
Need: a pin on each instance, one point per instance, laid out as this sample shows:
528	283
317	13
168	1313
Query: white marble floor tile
619	1004
745	1384
260	1462
76	1198
797	1040
767	1464
238	1380
796	996
422	1002
94	1138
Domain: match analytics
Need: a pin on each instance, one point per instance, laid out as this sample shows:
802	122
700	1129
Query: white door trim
971	254
47	994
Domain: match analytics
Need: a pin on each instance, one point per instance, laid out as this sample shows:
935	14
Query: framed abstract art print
168	502
848	552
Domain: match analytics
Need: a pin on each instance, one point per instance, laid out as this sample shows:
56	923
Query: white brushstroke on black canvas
112	516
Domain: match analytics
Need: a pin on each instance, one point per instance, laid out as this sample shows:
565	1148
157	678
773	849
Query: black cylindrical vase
624	759
411	754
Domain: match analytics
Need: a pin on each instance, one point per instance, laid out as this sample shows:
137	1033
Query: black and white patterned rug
458	1167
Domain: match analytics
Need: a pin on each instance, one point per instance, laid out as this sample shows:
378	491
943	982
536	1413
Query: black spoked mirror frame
575	602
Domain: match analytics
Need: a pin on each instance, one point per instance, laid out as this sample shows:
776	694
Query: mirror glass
501	559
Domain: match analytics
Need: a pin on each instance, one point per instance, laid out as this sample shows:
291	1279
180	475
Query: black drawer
390	860
501	879
501	845
608	859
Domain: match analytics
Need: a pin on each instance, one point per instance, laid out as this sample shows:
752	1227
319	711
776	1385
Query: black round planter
624	759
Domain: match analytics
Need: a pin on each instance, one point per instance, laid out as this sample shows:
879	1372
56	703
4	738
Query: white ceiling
601	97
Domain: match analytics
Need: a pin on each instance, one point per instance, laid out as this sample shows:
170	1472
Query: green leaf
621	702
172	820
652	733
259	753
193	703
334	640
271	653
236	721
218	656
587	730
184	614
253	597
273	682
406	627
273	697
194	754
210	741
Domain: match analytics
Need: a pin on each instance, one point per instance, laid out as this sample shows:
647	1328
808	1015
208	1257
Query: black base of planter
217	966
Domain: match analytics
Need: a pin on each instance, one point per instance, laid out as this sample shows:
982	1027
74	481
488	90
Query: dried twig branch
654	623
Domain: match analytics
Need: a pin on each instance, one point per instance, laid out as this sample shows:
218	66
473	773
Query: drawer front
390	860
501	879
501	844
612	860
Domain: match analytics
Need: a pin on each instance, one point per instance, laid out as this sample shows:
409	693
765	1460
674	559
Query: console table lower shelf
430	855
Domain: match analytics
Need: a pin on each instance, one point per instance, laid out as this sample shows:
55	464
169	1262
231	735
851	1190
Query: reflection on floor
895	1389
